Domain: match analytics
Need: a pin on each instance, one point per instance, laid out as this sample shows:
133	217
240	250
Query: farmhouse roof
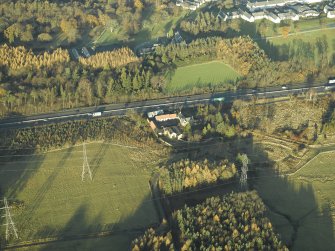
166	117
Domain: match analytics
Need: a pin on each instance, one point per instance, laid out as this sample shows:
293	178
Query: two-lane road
150	105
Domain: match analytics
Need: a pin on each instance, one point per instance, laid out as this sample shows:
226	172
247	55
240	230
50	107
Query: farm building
166	117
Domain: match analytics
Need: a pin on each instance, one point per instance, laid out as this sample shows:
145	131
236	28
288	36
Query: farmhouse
152	125
183	121
154	113
173	132
166	117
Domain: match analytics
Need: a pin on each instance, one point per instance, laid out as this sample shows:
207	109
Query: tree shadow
302	222
95	163
297	215
82	232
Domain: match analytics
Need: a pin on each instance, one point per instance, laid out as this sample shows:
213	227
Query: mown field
302	206
56	203
199	75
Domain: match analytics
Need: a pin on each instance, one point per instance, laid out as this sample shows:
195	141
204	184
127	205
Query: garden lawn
200	75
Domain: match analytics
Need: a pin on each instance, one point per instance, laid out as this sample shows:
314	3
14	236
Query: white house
258	15
328	8
331	14
312	1
85	52
246	16
234	15
310	13
288	16
268	4
272	17
222	15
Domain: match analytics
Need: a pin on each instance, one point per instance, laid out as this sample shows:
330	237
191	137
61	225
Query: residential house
312	1
258	15
75	53
234	15
289	15
85	52
222	15
328	7
272	17
331	14
246	16
177	37
310	13
262	5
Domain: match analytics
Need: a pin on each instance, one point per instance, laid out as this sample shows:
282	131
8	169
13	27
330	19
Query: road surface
151	105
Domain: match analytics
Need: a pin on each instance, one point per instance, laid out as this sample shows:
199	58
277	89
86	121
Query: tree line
54	136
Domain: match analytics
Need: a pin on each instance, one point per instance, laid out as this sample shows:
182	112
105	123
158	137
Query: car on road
96	114
284	87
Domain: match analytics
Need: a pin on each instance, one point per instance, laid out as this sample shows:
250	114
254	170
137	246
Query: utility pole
10	226
244	172
86	166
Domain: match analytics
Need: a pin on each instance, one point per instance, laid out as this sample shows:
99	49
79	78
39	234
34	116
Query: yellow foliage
2	92
138	4
110	59
254	227
216	218
235	233
18	57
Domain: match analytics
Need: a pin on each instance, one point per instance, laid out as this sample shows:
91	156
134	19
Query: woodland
236	221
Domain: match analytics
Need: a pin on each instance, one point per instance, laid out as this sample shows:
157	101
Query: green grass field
198	75
302	207
308	36
56	203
